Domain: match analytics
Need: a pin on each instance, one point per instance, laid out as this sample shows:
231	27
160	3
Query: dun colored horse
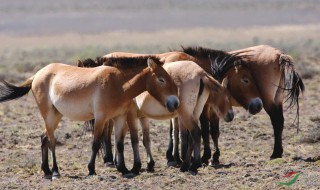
100	93
196	88
277	81
240	84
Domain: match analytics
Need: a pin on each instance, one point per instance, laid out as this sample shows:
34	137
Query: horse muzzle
255	106
172	103
229	117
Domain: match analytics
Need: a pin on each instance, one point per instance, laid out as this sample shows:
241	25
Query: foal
100	93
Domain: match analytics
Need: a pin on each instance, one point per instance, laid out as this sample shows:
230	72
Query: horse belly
73	109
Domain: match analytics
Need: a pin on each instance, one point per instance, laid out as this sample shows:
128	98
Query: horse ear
225	82
151	64
80	64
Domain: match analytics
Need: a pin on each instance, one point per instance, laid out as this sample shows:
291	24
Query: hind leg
107	145
147	143
44	152
215	133
120	132
52	119
96	144
205	137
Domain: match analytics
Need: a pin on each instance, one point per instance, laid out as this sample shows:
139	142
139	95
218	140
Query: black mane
121	62
221	61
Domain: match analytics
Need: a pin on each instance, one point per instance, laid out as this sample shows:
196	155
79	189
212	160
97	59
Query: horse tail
211	82
10	92
293	83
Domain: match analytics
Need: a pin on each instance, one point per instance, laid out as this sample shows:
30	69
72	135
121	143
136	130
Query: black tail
10	92
293	83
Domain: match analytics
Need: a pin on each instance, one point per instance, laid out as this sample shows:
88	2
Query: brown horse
100	93
274	74
195	87
240	84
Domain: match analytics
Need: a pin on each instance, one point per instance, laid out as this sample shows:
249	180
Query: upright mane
120	62
221	61
127	62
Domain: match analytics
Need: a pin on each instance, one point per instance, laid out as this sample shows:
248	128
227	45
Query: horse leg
195	133
55	170
107	145
185	154
120	132
52	119
176	143
275	113
169	151
96	144
147	143
215	133
206	140
44	151
132	124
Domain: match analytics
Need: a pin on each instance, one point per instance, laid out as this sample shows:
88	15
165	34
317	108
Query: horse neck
204	63
136	83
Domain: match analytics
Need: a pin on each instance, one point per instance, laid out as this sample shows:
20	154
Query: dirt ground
245	144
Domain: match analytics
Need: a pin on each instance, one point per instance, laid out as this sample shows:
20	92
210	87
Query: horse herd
193	87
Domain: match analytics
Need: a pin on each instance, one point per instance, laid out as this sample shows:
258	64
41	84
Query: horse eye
161	80
245	81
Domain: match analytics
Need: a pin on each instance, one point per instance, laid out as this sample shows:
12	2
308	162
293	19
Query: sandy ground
35	34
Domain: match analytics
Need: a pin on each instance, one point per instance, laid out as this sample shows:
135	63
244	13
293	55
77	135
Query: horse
196	88
101	93
167	57
277	81
241	85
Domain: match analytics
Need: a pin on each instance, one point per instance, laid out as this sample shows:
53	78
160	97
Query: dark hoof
150	167
214	163
193	172
173	164
49	176
91	174
179	162
184	167
129	175
110	165
275	156
205	162
55	175
136	168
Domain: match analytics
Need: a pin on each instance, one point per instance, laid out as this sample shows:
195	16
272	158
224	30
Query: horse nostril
255	106
229	117
172	103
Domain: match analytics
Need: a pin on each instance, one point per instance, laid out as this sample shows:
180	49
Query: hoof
151	170
91	174
172	164
55	175
184	167
129	175
214	163
150	166
110	165
192	172
47	176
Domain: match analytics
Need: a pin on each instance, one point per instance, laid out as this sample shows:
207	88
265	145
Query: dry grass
246	143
